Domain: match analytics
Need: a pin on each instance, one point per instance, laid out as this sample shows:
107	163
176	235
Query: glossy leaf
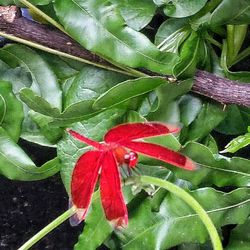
182	8
16	165
60	67
190	56
104	32
51	133
18	77
168	110
225	14
171	34
136	13
90	83
238	143
40	2
235	113
127	90
240	237
215	168
212	169
73	113
209	117
7	2
11	111
80	92
210	143
190	107
176	223
44	80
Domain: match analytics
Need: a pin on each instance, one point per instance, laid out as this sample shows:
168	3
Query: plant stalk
55	223
215	239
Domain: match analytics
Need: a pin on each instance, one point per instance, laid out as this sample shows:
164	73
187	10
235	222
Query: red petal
84	178
111	192
132	131
85	139
161	153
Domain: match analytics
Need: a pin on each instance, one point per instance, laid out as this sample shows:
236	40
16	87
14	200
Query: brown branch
220	89
18	26
217	88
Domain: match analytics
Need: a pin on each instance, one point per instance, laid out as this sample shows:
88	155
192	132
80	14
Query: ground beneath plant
27	207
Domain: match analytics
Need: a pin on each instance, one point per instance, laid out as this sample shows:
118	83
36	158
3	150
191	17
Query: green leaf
176	222
52	133
168	109
236	121
11	111
210	142
40	2
37	103
90	83
181	8
190	56
237	143
44	80
7	2
18	76
149	104
208	118
80	93
127	90
240	237
61	68
69	149
225	14
16	165
190	107
171	34
104	32
136	13
215	168
75	112
212	169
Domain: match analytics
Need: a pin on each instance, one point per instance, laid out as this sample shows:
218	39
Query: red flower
104	161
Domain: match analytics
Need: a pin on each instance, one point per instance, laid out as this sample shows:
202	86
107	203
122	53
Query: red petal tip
120	223
174	129
78	217
189	165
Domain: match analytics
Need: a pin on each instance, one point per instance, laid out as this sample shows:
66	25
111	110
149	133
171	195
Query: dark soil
29	206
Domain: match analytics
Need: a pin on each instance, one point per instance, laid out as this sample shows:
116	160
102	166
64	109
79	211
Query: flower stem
55	223
217	245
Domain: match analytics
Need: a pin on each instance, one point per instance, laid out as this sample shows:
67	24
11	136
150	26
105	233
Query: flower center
123	156
131	158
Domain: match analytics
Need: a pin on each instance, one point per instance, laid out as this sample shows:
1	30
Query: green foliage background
41	94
